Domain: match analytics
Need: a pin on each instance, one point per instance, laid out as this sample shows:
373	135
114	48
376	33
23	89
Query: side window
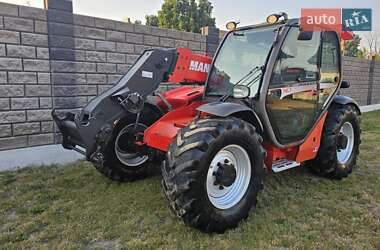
292	99
297	61
330	67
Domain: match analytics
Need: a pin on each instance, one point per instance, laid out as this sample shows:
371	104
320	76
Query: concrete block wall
25	86
89	54
56	59
358	72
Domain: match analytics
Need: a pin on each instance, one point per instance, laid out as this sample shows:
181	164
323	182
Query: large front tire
119	164
340	142
213	173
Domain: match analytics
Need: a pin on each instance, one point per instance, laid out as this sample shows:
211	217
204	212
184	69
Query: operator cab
286	75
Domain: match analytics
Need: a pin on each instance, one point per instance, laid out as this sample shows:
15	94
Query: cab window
292	99
330	68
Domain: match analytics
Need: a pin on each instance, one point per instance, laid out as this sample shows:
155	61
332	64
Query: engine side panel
180	97
161	134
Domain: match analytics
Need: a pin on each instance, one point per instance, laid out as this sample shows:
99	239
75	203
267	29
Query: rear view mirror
305	36
345	84
241	92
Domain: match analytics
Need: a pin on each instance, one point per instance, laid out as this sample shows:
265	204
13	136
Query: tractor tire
340	142
113	167
203	161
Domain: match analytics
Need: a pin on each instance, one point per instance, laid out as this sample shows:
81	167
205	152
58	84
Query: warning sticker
147	74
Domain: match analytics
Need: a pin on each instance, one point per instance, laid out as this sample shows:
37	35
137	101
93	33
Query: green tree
205	9
363	53
351	48
151	20
184	15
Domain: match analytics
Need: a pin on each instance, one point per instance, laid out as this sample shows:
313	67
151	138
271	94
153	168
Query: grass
75	207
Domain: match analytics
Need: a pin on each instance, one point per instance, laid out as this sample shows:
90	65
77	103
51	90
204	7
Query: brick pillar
212	39
371	80
62	54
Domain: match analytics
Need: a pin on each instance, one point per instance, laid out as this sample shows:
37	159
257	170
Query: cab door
292	98
330	71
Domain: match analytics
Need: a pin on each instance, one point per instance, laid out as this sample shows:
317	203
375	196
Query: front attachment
93	127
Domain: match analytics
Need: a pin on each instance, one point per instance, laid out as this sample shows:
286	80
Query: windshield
242	51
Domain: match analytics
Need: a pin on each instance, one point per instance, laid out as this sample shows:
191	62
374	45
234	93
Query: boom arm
190	67
92	127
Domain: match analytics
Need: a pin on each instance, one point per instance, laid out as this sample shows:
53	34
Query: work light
231	26
272	19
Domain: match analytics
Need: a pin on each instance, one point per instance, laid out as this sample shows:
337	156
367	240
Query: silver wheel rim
229	196
344	154
128	158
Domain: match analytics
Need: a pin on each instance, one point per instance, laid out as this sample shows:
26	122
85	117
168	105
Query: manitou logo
199	66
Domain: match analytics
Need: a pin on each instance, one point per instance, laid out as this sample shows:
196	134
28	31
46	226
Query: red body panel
304	152
275	154
309	149
163	132
190	68
181	96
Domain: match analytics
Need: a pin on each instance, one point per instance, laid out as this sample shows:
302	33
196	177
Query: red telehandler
267	101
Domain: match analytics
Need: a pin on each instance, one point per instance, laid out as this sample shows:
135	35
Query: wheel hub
345	143
225	175
228	177
126	149
342	141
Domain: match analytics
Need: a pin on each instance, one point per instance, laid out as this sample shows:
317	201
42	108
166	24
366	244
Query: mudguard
345	100
224	109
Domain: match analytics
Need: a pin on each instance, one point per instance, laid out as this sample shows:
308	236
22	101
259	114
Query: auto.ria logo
357	19
336	19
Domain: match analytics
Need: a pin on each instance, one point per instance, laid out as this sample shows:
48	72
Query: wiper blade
250	73
255	80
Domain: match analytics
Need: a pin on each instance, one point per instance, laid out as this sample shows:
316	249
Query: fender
345	100
224	109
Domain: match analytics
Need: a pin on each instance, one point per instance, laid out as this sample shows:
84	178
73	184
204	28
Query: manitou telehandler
267	101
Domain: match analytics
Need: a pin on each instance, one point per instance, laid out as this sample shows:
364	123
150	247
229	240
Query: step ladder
284	164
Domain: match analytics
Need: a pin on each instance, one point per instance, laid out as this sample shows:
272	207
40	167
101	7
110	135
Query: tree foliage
351	48
151	20
184	15
363	53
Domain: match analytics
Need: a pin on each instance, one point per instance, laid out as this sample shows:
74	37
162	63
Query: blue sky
246	11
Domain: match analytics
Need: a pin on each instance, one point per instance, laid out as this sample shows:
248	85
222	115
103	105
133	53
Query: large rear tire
214	172
340	142
119	163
